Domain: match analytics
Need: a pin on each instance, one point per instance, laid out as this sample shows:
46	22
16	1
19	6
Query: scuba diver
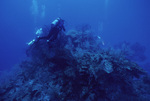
56	27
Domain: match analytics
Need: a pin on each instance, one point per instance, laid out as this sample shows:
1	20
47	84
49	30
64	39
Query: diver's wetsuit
54	31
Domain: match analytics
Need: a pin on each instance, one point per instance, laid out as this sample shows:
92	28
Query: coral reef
134	51
75	68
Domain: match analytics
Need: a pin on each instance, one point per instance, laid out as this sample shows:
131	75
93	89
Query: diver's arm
39	38
44	37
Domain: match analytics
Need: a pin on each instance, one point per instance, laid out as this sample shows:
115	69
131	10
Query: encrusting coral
75	68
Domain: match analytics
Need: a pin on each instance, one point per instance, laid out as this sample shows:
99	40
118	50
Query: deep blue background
113	20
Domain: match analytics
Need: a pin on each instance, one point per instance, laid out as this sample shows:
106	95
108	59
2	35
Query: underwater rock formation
75	68
134	51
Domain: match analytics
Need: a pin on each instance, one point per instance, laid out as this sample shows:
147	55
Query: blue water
114	20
